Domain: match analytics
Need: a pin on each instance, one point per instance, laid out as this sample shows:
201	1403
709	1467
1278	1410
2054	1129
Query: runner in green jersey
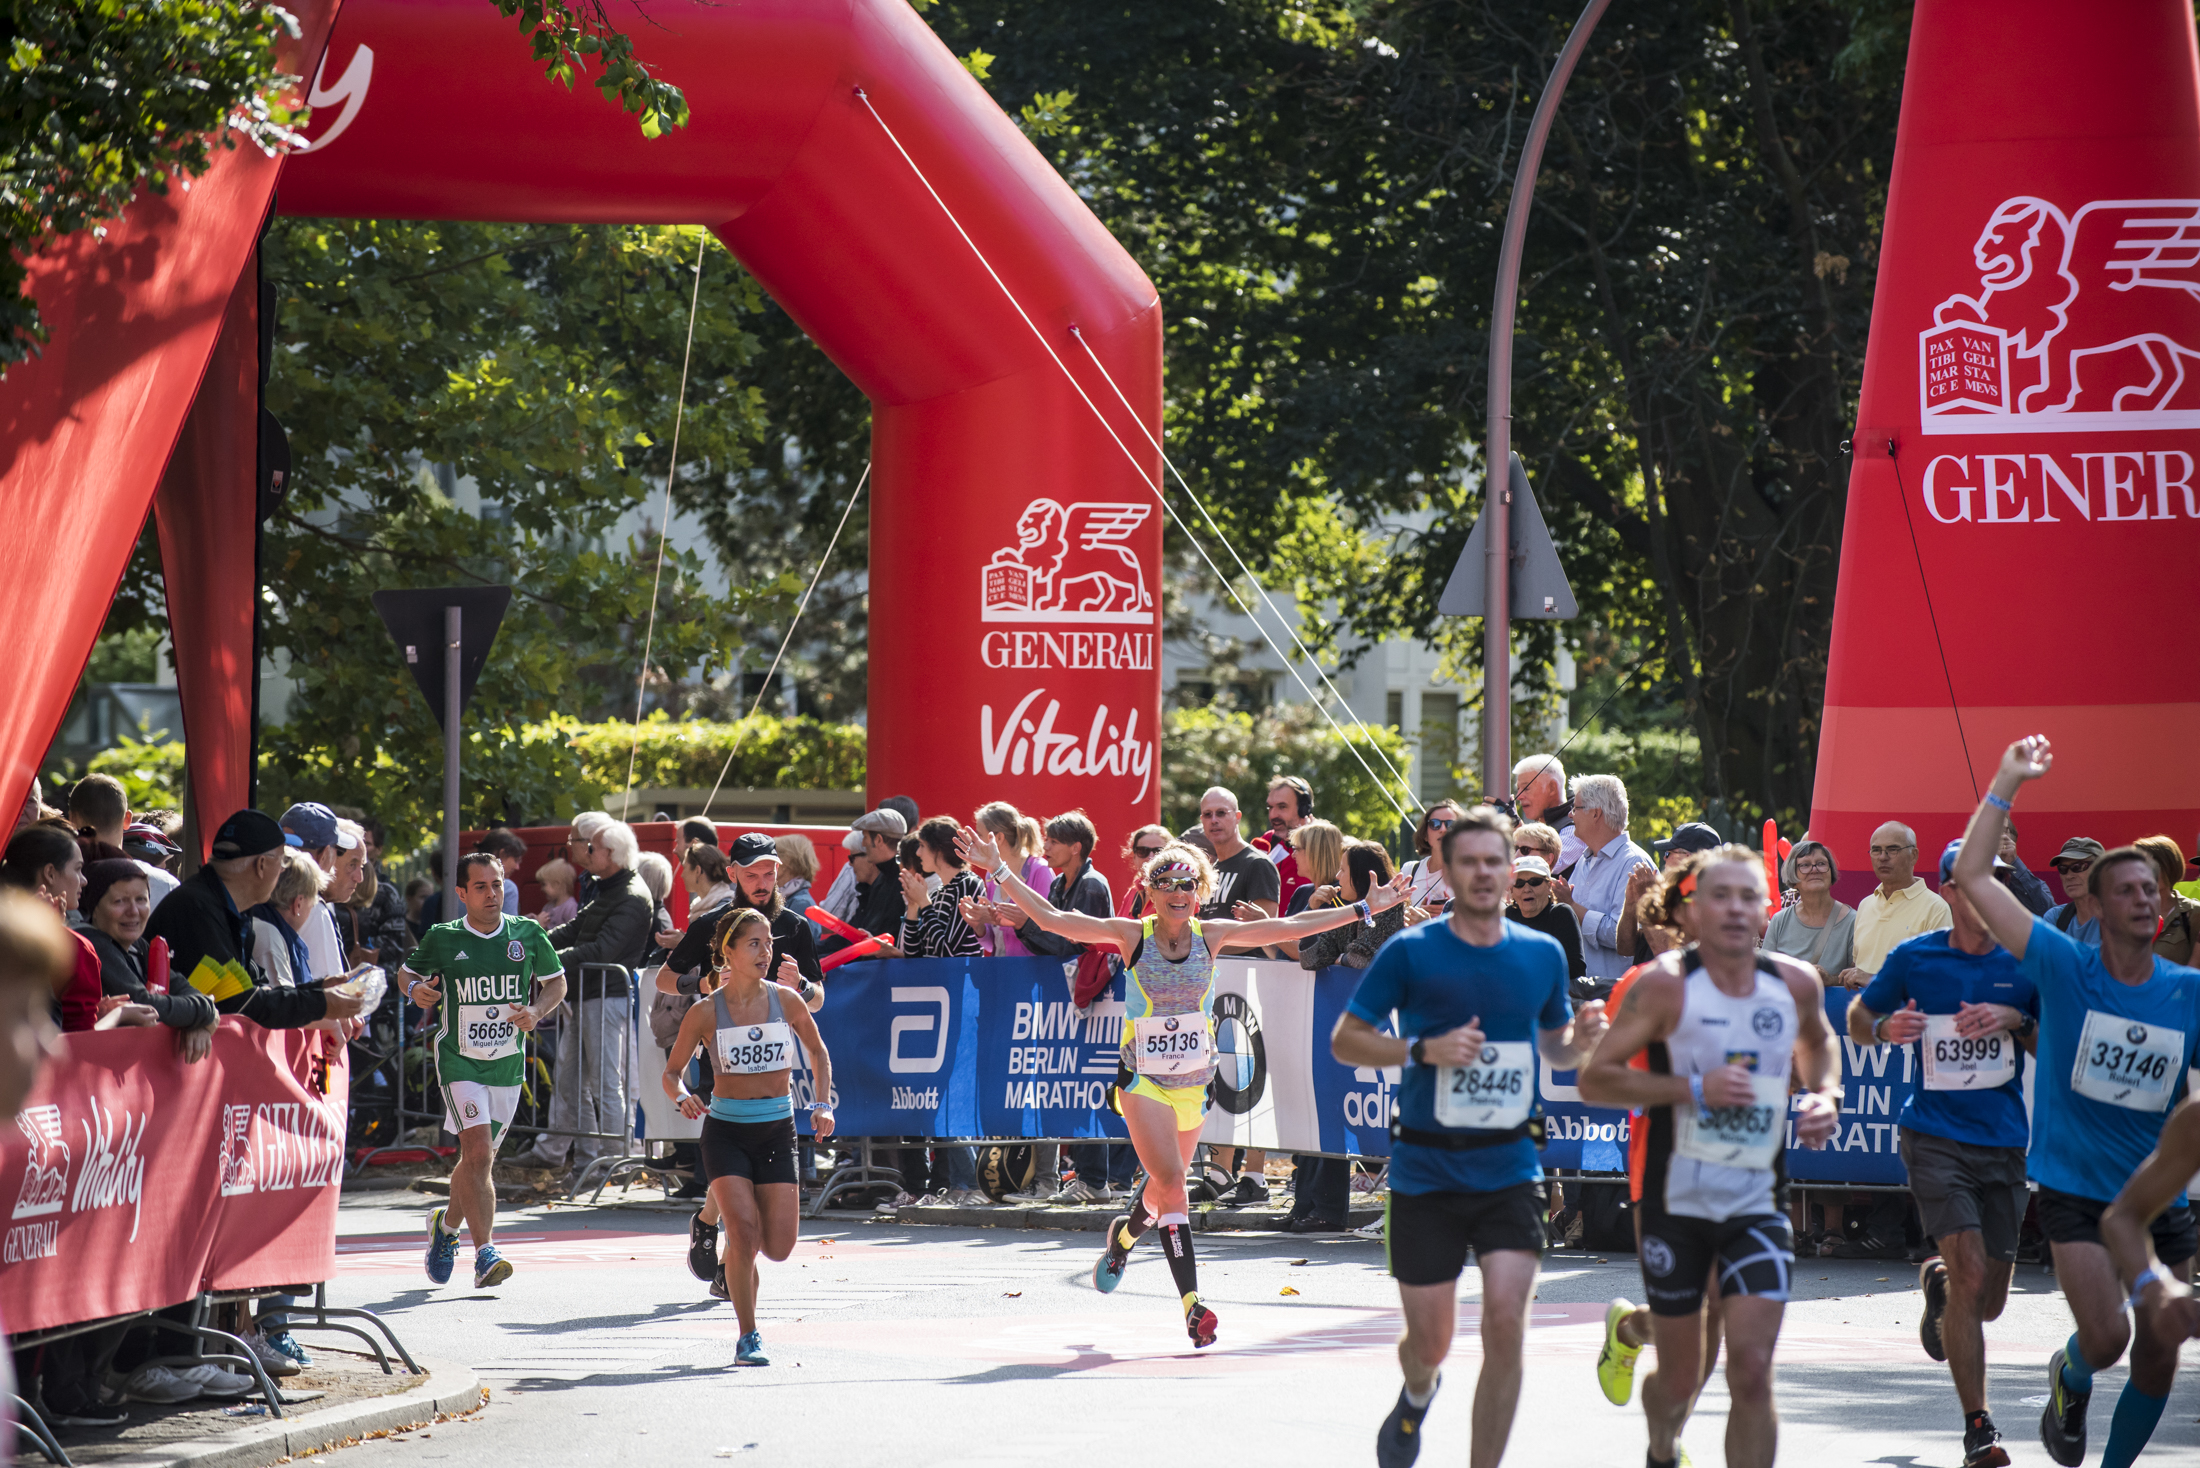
486	965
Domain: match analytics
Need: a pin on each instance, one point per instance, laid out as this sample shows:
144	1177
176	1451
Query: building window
1394	709
1439	745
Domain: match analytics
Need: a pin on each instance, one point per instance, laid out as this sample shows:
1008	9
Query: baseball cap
1689	836
751	847
885	821
150	836
316	824
1531	866
2079	848
1948	859
251	833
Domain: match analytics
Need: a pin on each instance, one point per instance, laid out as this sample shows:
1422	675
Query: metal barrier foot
318	1316
34	1427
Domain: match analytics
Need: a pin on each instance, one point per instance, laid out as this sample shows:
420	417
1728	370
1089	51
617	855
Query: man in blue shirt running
2119	1027
1964	1000
1476	1000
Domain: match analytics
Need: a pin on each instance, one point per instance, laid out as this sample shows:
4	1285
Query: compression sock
1134	1228
1176	1242
2076	1375
2133	1424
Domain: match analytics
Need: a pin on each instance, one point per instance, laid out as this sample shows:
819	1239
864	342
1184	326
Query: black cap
751	847
1689	836
251	833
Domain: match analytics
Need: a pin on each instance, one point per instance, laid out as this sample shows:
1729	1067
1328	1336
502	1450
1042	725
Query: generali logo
1070	564
2084	323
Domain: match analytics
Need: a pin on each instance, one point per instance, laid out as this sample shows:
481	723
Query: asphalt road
970	1346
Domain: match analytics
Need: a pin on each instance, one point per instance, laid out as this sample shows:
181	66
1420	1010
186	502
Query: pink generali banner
136	1181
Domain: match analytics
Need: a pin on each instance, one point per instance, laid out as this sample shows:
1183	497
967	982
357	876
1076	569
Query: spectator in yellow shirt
1901	907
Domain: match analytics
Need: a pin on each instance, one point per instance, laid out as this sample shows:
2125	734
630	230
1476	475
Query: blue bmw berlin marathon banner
992	1047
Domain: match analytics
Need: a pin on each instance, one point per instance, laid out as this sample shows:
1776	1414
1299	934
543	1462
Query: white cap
1533	866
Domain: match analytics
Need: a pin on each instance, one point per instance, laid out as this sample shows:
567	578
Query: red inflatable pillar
2024	507
207	514
871	185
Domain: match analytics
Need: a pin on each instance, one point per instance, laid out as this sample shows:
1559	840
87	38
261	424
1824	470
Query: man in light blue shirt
1599	888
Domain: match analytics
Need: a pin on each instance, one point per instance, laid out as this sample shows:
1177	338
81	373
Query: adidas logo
460	956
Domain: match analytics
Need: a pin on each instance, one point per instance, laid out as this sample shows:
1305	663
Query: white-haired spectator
595	1057
1900	907
583	830
1597	891
797	869
279	944
1539	791
1814	928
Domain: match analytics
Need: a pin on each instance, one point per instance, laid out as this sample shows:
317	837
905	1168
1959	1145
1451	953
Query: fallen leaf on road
1298	1261
1012	1294
1287	1290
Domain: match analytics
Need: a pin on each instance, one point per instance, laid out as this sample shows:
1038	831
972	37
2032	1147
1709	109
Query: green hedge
769	753
1242	752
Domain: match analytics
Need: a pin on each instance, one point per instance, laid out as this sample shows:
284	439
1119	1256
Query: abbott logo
2082	323
933	1024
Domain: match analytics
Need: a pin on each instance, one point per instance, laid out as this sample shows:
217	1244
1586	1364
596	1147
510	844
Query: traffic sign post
444	634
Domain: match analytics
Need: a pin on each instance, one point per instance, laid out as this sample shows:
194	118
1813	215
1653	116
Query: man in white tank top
1724	1029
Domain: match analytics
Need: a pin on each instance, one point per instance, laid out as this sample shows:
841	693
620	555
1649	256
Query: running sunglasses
2073	868
1173	881
1531	882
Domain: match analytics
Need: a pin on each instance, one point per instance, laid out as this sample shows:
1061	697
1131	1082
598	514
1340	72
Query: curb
445	1389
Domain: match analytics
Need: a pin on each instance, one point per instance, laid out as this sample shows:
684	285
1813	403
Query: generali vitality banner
2022	542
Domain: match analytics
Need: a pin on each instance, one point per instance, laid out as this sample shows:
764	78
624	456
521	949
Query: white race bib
1493	1094
486	1032
2127	1063
754	1050
1736	1136
1954	1063
1171	1045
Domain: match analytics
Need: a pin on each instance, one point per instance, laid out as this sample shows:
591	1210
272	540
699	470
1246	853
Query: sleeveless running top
1159	989
1729	1161
752	1049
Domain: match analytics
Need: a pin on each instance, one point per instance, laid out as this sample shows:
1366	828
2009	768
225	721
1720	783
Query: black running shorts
1754	1254
2067	1218
761	1151
1427	1235
1961	1187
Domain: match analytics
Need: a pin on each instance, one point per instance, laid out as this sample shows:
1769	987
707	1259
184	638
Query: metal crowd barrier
573	1038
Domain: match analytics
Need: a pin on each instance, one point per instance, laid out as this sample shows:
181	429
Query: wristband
1367	914
1997	802
1877	1037
1413	1051
824	1106
2147	1276
1695	1091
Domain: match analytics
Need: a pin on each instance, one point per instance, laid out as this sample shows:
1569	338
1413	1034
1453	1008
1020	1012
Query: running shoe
1247	1191
1616	1362
1932	1278
1199	1323
490	1268
718	1289
1108	1272
442	1249
1077	1190
284	1341
702	1247
2062	1420
1398	1441
1982	1446
750	1351
272	1361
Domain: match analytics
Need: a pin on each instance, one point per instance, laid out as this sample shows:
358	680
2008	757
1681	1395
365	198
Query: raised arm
2006	918
1225	933
983	853
1653	1007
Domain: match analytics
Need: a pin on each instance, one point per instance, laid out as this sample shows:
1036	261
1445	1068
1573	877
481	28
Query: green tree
1242	752
104	97
488	404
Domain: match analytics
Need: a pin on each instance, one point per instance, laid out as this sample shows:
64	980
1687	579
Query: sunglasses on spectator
1146	853
2073	868
1527	851
1439	823
1520	882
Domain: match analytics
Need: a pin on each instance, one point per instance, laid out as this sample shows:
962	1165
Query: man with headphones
1290	806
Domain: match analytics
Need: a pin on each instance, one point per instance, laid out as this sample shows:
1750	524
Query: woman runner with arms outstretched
1168	1036
748	1141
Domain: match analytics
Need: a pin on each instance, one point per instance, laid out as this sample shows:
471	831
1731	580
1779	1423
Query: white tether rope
802	606
1109	428
664	529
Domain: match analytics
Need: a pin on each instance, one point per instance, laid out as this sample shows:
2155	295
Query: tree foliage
1242	752
104	97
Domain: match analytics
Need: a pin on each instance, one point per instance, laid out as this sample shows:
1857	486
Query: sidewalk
358	1401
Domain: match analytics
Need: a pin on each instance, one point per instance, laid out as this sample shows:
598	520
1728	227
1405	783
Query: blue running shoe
750	1351
286	1343
442	1249
490	1267
1107	1271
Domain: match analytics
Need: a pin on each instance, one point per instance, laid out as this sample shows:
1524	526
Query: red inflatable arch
851	163
2031	416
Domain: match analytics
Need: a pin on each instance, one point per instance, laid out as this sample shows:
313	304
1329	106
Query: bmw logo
2137	1034
1241	1068
495	1013
756	1032
1657	1255
1489	1055
1169	1024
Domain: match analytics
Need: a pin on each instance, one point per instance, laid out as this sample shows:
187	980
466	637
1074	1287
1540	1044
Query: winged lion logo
1070	564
